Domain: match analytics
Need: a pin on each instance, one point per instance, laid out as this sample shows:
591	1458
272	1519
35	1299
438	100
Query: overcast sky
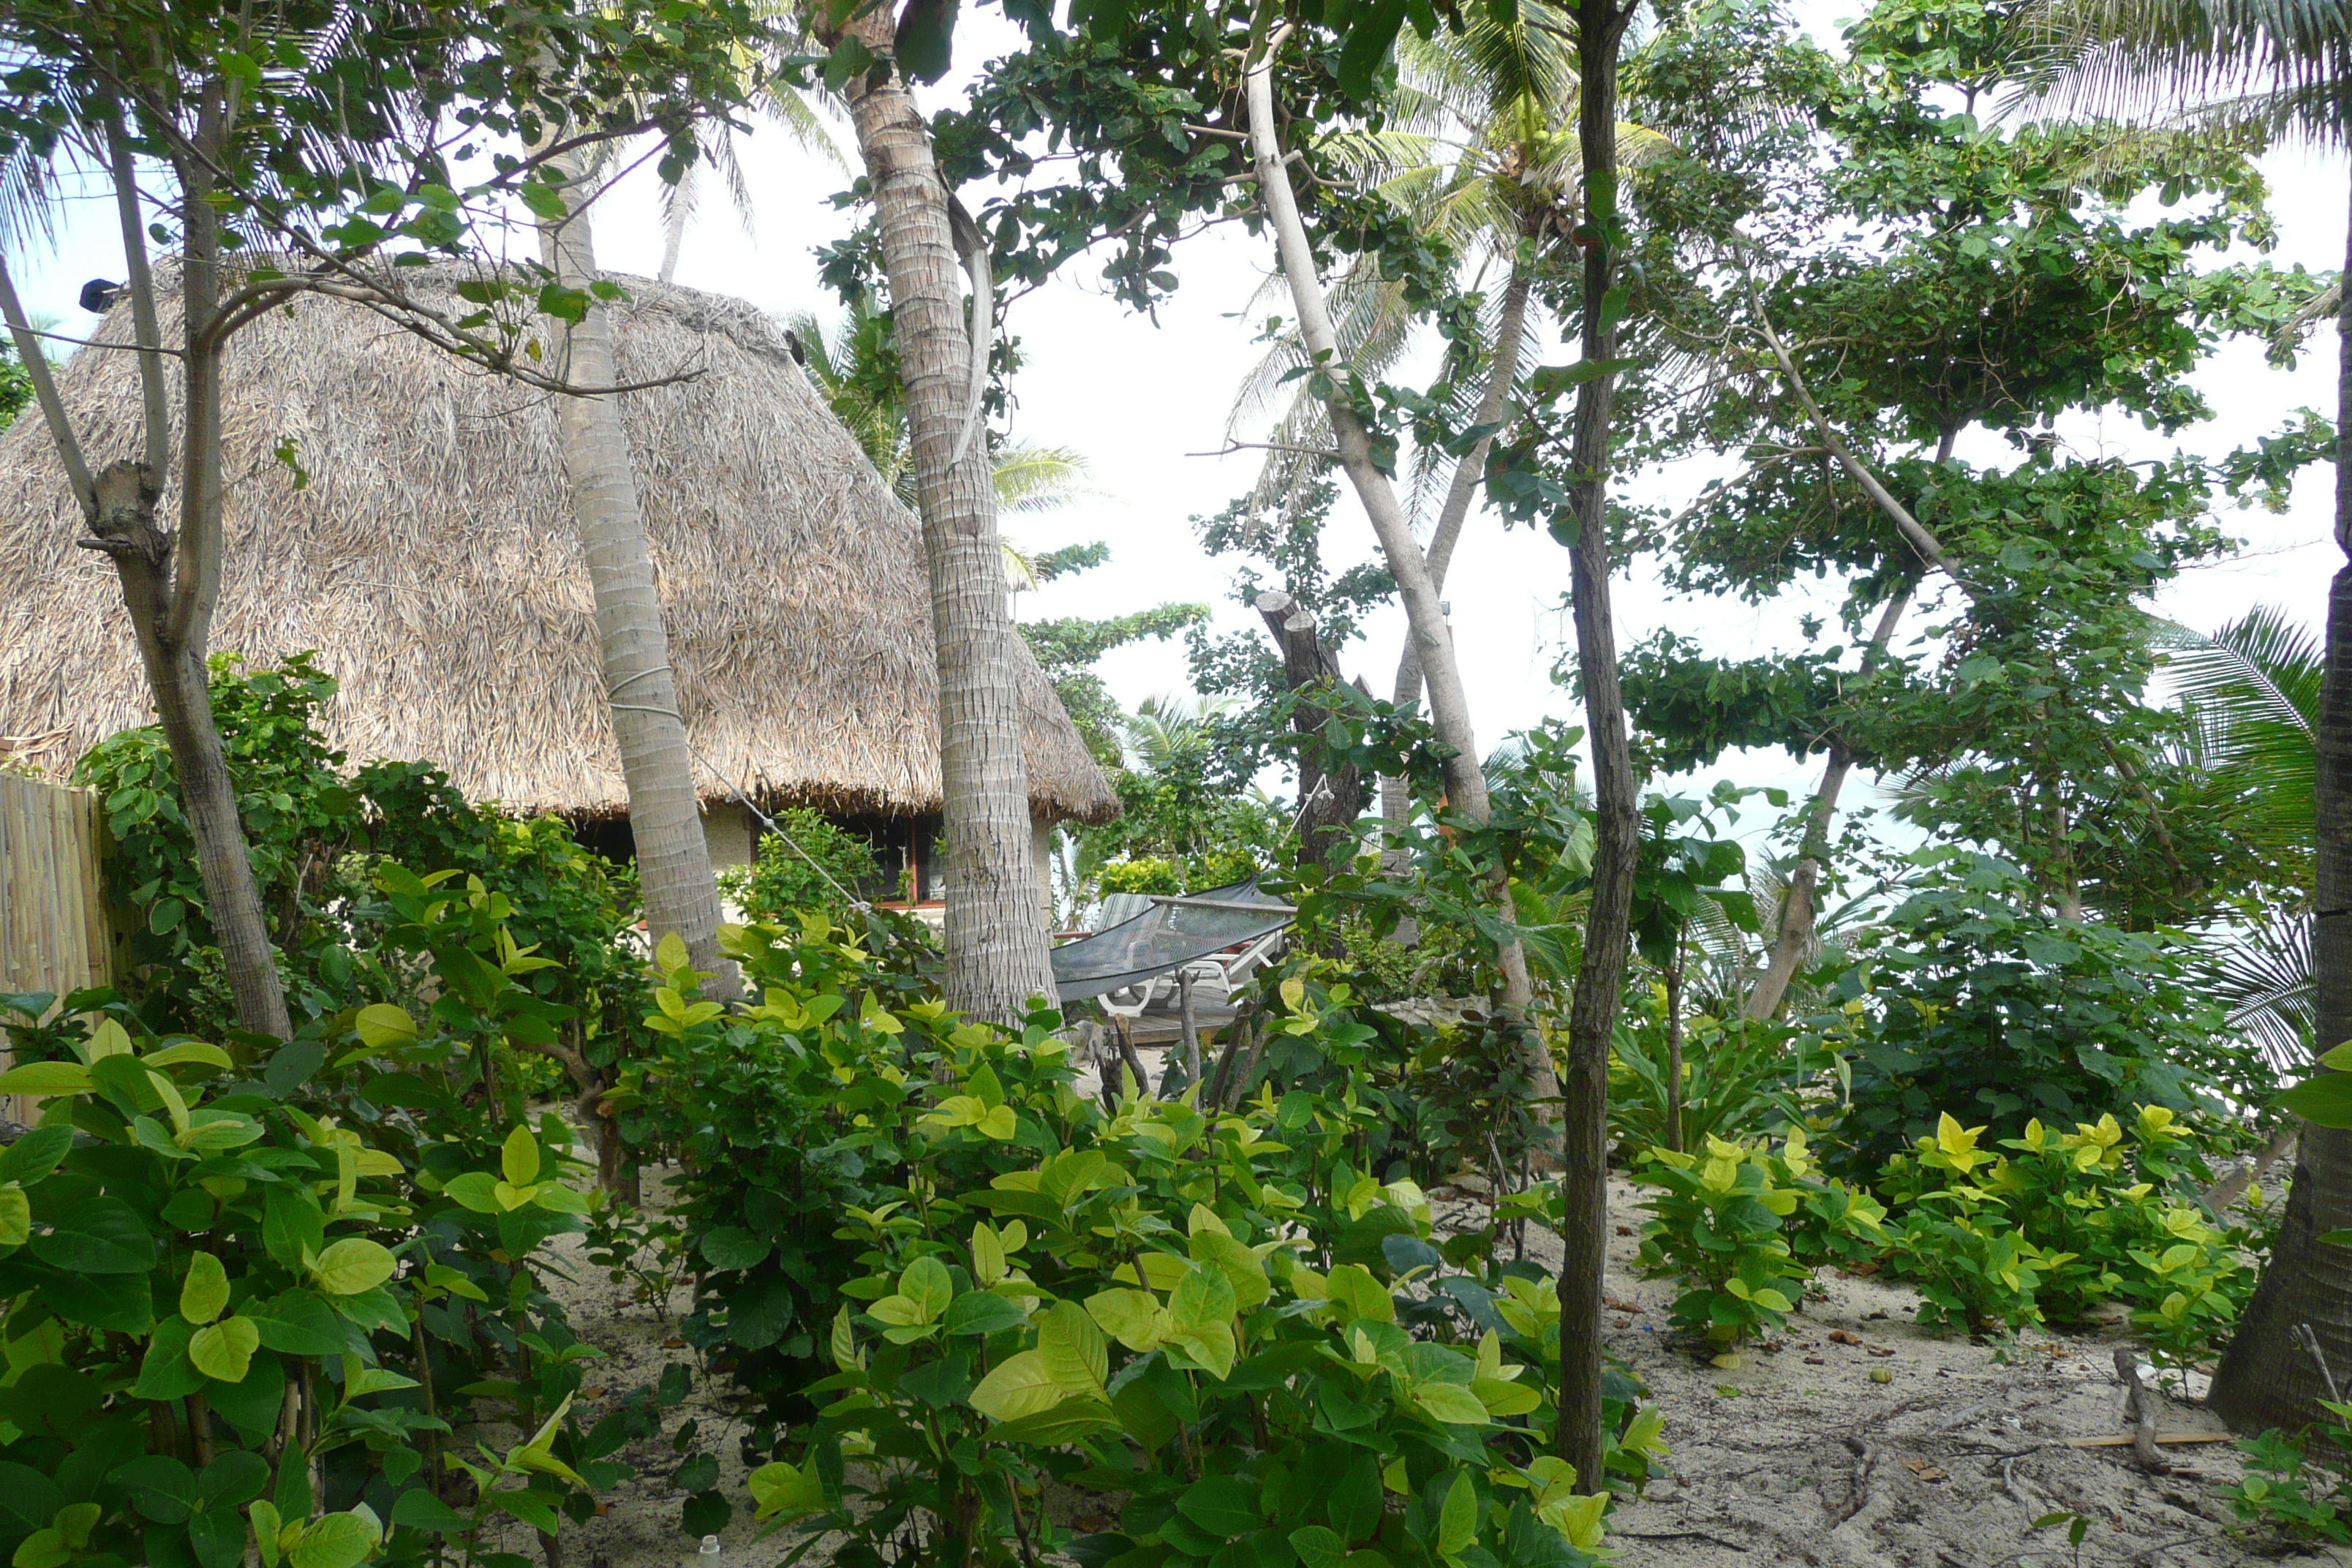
1138	394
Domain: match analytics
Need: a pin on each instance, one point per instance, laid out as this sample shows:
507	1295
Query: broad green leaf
1224	1505
352	1265
224	1350
732	1246
1318	1547
383	1026
160	1487
928	1284
1451	1403
1242	1267
518	1158
16	1216
1064	1423
188	1051
982	1313
99	1236
1503	1399
2325	1100
781	1489
1457	1522
336	1540
1357	1294
1209	1346
1073	1349
30	1160
419	1510
1202	1296
1019	1385
204	1294
477	1190
46	1077
268	1527
1133	1318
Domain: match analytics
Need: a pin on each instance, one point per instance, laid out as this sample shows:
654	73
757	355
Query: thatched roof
432	563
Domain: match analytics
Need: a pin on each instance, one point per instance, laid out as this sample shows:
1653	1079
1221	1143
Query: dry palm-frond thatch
431	561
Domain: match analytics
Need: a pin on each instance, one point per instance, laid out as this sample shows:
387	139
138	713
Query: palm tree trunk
1599	977
1449	703
996	948
1797	911
674	875
2266	1378
1461	492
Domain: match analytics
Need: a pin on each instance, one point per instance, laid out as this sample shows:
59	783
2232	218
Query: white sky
1138	394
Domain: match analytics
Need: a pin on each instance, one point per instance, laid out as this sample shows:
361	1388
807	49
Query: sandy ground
1797	1456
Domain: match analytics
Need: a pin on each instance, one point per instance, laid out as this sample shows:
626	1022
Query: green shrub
782	879
1162	1313
1970	999
318	830
1727	1222
256	1301
2286	1491
1740	1076
2067	1221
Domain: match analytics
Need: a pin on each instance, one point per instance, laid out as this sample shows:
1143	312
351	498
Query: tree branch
45	390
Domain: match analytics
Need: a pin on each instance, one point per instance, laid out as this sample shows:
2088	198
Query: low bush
1740	1076
256	1299
823	867
1744	1225
1969	999
2063	1222
1257	1365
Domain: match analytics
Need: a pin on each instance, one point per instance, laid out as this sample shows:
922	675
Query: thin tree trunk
171	582
1799	910
1600	978
1461	493
997	956
2265	1378
1674	1048
674	875
1449	704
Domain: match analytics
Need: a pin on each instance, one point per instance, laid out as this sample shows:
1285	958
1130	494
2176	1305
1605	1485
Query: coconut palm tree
2285	67
845	365
674	871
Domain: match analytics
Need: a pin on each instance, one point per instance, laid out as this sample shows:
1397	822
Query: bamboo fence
54	933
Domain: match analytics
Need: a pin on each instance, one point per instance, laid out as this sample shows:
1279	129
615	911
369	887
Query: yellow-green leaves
912	1313
204	1294
350	1266
1073	1349
47	1079
68	1533
991	1249
384	1027
786	1490
1134	1318
518	1158
1070	1362
1559	1505
224	1350
16	1216
983	1109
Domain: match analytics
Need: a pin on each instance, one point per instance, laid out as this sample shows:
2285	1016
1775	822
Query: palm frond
1038	478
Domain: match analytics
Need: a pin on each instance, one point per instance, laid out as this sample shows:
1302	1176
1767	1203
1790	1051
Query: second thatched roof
433	563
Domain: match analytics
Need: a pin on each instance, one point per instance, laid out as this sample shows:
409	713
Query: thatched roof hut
431	562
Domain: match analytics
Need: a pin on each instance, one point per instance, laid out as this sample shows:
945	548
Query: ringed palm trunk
996	948
1607	929
2266	1378
674	875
